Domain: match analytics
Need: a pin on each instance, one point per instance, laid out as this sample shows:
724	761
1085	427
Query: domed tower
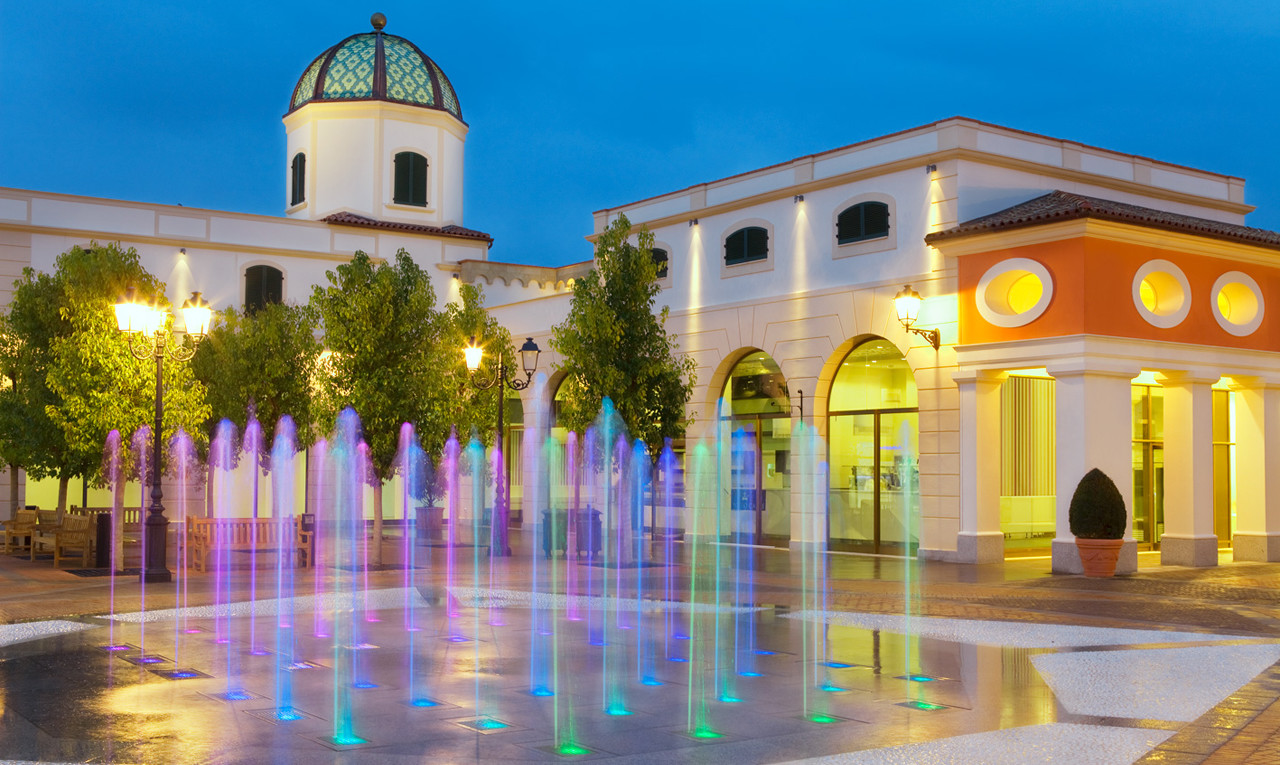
375	128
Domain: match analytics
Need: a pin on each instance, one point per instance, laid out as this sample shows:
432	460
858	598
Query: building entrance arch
873	447
757	415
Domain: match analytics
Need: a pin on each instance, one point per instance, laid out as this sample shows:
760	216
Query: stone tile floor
1025	683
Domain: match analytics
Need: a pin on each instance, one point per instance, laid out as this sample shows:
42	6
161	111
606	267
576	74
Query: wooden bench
18	530
252	535
132	517
77	532
45	532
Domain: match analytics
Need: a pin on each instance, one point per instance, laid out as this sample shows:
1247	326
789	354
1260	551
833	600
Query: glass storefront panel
873	458
1148	465
775	479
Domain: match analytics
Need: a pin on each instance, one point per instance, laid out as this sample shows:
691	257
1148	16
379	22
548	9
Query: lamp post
907	305
501	376
149	337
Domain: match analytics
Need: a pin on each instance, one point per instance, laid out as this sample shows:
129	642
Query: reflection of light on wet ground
1055	742
1009	634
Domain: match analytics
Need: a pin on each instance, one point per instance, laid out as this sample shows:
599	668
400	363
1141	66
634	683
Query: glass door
898	484
1148	466
774	505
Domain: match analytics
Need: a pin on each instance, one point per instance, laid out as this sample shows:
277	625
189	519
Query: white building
1094	309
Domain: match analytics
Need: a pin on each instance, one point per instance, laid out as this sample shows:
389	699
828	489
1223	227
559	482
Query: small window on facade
868	220
262	285
411	179
746	245
299	179
660	259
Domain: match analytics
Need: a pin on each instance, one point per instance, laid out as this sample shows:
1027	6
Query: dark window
868	220
299	179
411	179
745	245
262	285
660	258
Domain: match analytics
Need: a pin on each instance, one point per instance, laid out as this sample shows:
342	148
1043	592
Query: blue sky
578	106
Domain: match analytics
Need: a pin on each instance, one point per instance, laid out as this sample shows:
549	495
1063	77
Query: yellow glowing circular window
1161	293
1014	292
1237	303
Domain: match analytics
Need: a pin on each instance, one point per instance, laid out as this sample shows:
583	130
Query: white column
1257	477
1188	538
980	539
1093	429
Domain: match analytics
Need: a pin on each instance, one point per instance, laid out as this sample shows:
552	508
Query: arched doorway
873	447
757	409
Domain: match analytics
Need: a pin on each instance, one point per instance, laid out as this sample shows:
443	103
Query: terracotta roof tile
457	232
1059	206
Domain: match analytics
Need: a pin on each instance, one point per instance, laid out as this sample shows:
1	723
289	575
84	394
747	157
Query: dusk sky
577	106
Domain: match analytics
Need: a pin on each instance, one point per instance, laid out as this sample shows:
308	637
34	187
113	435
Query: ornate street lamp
907	305
146	324
501	376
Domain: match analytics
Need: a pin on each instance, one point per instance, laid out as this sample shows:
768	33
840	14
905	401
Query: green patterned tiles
307	85
407	76
348	71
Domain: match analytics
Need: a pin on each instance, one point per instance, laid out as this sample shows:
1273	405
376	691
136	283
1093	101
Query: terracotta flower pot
1099	556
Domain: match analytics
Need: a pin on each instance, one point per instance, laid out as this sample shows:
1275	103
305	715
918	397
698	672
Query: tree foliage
613	344
98	383
470	410
380	325
28	436
264	361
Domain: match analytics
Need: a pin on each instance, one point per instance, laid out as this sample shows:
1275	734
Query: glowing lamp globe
907	304
473	353
197	315
529	355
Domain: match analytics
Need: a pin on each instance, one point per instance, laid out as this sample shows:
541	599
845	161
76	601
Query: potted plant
1098	520
429	488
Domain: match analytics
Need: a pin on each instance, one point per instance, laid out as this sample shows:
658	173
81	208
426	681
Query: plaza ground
1235	606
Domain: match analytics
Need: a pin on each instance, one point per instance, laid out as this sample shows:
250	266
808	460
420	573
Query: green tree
28	436
265	360
470	410
99	384
380	326
613	344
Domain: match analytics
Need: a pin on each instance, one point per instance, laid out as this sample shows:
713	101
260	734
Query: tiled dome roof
375	66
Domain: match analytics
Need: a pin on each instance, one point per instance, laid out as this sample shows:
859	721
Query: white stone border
1005	267
1165	316
1243	279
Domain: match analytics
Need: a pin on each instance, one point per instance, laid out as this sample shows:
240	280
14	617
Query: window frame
664	281
244	285
743	268
888	241
298	180
410	153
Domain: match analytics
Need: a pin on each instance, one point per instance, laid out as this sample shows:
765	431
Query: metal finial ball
379	21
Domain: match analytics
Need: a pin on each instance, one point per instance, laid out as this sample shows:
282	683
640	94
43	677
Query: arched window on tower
411	179
867	220
262	285
298	172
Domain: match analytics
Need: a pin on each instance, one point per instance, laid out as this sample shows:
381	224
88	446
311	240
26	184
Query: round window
1237	303
1014	292
1161	293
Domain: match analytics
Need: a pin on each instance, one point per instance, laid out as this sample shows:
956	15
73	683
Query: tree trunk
62	493
375	554
15	501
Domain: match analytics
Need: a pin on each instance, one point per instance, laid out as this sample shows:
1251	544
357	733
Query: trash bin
102	556
555	531
589	538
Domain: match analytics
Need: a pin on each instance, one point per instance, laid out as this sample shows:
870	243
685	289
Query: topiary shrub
1097	509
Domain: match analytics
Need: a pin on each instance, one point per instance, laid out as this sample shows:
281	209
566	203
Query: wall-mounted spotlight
693	222
183	251
798	198
907	305
931	168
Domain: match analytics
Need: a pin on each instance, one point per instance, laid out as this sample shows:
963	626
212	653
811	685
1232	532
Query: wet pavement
1170	665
